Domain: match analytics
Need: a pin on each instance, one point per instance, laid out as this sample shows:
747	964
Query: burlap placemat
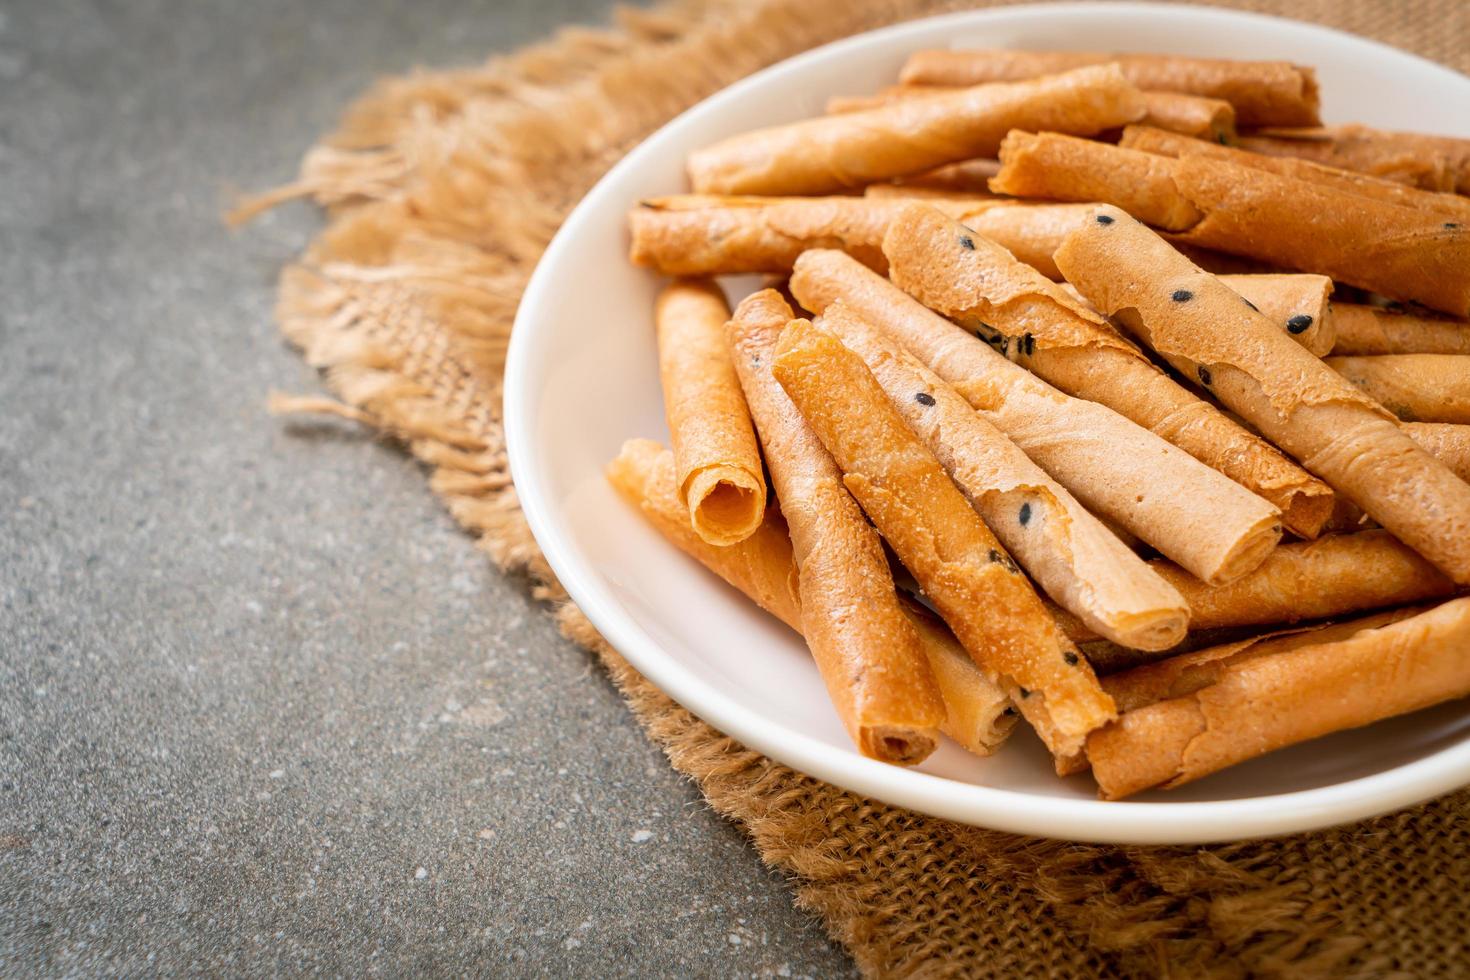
444	187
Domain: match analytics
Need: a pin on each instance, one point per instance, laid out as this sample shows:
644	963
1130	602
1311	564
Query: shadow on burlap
443	189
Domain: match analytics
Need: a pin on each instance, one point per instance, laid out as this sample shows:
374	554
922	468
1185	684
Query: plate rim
1117	822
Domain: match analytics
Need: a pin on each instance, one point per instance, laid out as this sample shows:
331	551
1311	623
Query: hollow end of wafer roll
896	746
725	504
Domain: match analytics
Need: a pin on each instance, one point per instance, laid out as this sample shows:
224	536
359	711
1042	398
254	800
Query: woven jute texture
443	188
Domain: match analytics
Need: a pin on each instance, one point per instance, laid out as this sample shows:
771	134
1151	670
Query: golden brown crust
977	713
818	156
1066	550
1450	444
1153	140
1335	575
1120	471
1397	251
710	235
963	569
719	464
1264	93
866	650
1372	330
1258	703
1207	331
1293	224
1435	163
1415	387
980	286
1050	165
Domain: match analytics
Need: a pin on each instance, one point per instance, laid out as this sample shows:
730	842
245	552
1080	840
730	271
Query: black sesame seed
1025	515
1251	305
924	398
1182	296
1026	345
1451	225
1070	658
1025	693
1104	219
1298	323
1204	375
967	242
995	555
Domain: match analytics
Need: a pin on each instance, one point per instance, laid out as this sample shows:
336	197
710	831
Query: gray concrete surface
262	708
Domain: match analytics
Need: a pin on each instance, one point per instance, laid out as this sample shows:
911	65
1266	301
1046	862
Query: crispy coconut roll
1371	330
819	156
1297	302
719	464
1119	470
1033	230
1435	163
1189	115
976	587
1183	675
1450	444
866	649
1208	332
978	714
1264	93
1033	321
1332	576
1154	140
1415	387
1256	704
1078	562
696	234
1397	251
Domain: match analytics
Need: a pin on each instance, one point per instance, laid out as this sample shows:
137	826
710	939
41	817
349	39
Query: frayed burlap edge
443	188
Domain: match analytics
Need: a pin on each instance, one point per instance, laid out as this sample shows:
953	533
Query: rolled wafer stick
1033	230
1436	163
1397	251
1182	675
1450	444
1118	470
978	714
818	156
1335	575
980	286
696	234
1297	302
1207	331
1264	93
1190	115
975	586
867	651
1267	702
1415	387
721	481
1370	330
1066	550
1154	140
1049	165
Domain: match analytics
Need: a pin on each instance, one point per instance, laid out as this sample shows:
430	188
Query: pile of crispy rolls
1156	389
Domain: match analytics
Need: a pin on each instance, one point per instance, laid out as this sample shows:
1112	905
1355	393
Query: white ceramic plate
582	377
